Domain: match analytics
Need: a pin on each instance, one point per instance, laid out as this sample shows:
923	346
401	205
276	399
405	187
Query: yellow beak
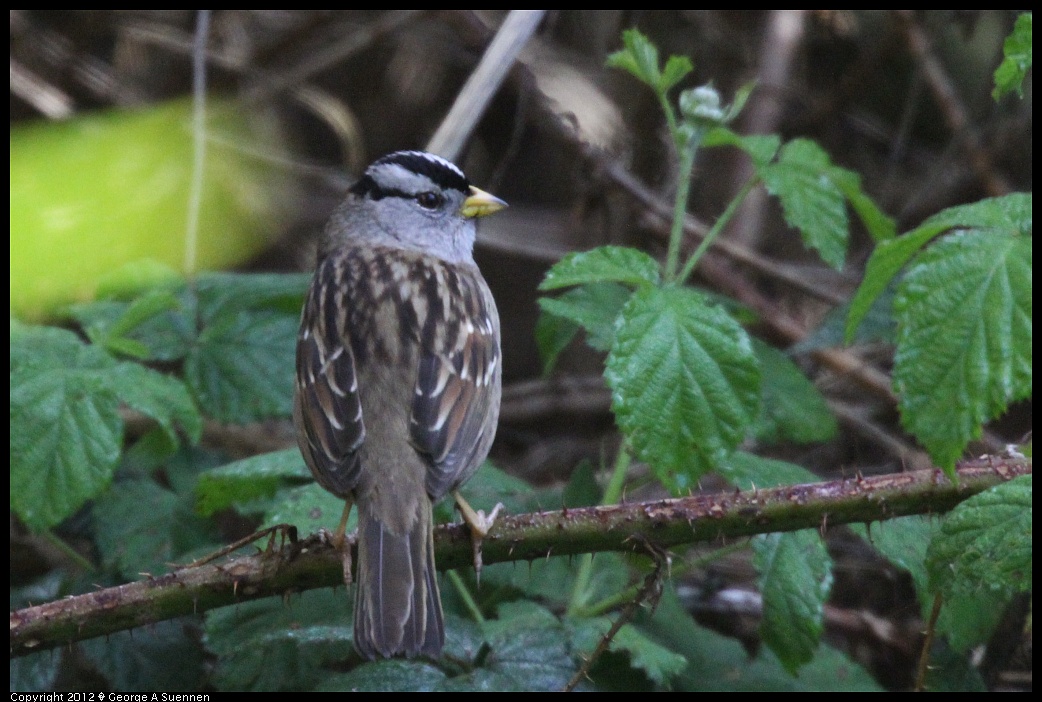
480	204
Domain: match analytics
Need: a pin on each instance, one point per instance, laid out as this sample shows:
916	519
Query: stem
613	492
718	227
69	552
464	592
676	233
580	589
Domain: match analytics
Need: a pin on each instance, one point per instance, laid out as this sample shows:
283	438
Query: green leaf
964	338
594	306
966	620
489	486
165	336
309	508
792	409
970	619
1016	62
142	527
748	471
160	396
877	325
804	179
659	663
252	478
950	672
133	315
903	542
685	382
553	335
639	57
985	542
1010	214
279	643
386	676
718	663
795	579
676	68
761	148
879	225
582	489
616	264
528	645
66	432
222	294
39	671
141	659
241	369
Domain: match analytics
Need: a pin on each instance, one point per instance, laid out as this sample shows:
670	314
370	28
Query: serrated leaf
903	542
251	478
640	58
66	432
1017	59
879	225
386	676
222	294
985	542
718	663
792	409
804	179
964	619
969	619
161	397
309	508
613	264
674	71
277	643
964	338
1010	214
241	369
594	306
748	471
142	527
140	311
141	659
659	663
528	644
795	579
37	672
685	382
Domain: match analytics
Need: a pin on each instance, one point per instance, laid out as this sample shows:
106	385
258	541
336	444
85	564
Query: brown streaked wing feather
327	409
456	401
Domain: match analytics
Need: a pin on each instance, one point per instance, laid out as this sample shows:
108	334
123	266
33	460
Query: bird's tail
397	606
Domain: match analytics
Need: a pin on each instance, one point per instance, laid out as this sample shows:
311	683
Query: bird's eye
429	200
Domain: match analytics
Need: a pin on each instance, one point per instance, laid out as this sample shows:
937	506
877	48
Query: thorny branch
311	563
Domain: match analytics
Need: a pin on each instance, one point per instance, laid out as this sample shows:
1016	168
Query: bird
398	383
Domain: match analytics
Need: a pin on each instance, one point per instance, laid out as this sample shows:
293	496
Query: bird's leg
479	526
338	540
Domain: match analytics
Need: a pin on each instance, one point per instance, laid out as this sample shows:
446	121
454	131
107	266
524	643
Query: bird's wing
326	407
456	403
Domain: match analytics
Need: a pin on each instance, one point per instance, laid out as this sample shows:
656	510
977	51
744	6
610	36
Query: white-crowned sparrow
398	380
